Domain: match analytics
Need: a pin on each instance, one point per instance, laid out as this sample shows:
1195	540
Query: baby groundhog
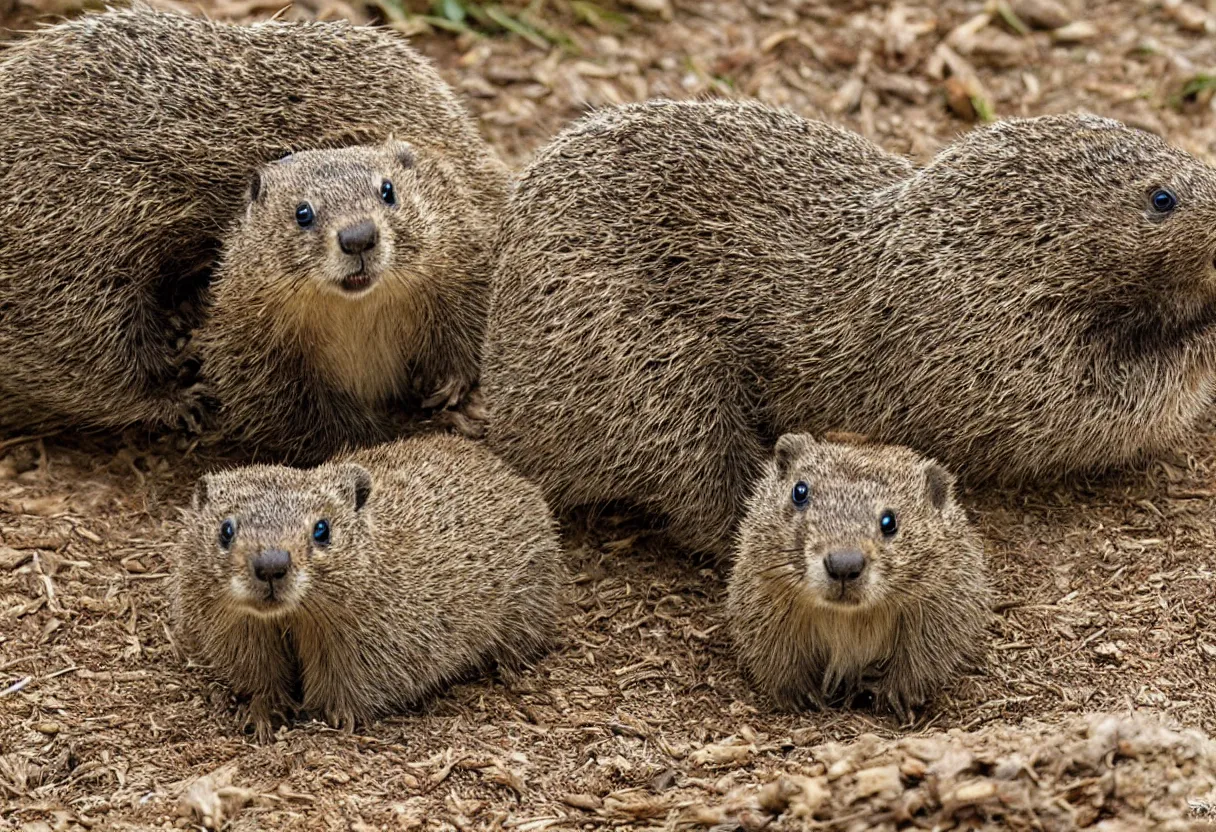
856	571
681	283
368	583
126	143
347	287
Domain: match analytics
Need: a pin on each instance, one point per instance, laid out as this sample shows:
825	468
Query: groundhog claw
260	715
451	393
341	719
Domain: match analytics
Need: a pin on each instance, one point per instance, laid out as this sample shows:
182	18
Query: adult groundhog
348	287
856	571
367	583
681	283
127	142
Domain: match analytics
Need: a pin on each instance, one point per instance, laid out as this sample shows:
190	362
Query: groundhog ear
358	483
789	446
202	491
940	485
255	186
846	437
404	154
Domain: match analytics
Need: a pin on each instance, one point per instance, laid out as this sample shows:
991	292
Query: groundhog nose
845	565
358	238
271	564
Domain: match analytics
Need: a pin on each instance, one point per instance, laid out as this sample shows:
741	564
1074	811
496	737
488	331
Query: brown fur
681	283
440	563
127	141
301	365
912	621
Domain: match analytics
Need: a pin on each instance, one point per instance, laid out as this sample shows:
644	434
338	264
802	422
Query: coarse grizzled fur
909	622
436	562
127	144
681	283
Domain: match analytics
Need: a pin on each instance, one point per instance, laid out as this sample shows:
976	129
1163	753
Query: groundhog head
266	536
851	525
340	220
1072	213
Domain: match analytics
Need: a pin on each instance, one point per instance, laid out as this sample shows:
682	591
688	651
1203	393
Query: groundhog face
343	221
851	525
271	537
1077	214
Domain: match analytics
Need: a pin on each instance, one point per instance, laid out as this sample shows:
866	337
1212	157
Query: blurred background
908	75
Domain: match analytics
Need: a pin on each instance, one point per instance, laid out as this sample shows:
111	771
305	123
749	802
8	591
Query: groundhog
856	571
368	583
346	287
681	283
127	143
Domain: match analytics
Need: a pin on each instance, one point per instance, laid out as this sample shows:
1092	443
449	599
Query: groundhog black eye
387	193
1163	200
227	533
304	215
888	523
320	532
801	494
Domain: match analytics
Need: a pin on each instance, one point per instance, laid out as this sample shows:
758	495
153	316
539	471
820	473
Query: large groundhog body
681	283
368	583
351	286
856	571
127	144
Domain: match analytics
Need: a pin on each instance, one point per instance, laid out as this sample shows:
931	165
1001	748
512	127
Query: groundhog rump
681	283
856	571
128	141
366	584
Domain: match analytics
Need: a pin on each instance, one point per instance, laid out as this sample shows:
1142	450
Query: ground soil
641	719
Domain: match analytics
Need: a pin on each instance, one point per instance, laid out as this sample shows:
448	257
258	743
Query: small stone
48	728
722	754
1108	651
912	768
1076	32
840	768
1041	14
960	99
971	793
660	7
1189	17
923	748
794	796
881	780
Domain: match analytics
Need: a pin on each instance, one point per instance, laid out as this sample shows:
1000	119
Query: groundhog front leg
467	416
258	664
926	659
899	684
336	685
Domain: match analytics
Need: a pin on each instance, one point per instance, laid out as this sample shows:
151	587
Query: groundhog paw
462	424
468	417
448	395
194	406
902	703
260	715
340	718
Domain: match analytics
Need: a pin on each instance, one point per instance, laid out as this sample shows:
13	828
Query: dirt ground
641	719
